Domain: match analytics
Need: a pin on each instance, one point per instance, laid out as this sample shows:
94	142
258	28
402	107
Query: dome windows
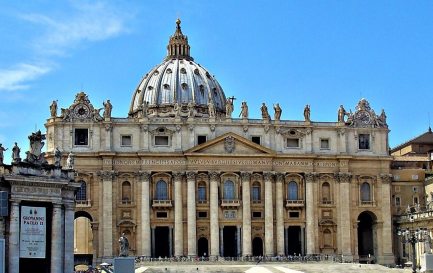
150	87
201	87
156	73
169	71
183	70
166	86
184	86
208	75
196	71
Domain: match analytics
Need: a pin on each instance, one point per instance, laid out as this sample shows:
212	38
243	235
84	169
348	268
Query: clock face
81	111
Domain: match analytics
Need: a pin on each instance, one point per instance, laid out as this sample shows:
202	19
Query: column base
386	259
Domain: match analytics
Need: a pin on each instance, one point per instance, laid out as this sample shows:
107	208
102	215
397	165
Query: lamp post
413	236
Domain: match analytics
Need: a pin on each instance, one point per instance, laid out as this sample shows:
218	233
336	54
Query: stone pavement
272	268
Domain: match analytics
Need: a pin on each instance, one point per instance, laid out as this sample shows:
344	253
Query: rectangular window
201	139
81	137
293	214
364	141
415	189
257	214
161	214
126	140
293	143
397	201
256	194
202	214
255	139
161	140
201	192
415	200
324	143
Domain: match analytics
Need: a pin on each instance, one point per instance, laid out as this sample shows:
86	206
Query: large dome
178	86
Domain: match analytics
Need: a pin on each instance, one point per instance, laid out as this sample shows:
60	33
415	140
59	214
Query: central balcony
230	202
161	204
294	203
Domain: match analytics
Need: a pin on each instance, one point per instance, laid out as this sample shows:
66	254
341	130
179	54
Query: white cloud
86	23
83	23
19	76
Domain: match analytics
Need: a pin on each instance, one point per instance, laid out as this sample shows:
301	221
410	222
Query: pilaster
14	244
344	226
387	255
57	239
69	240
107	213
310	219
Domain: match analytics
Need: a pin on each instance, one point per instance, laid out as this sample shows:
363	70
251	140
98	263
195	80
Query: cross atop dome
178	47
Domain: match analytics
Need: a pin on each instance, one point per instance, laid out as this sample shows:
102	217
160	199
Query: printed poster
33	232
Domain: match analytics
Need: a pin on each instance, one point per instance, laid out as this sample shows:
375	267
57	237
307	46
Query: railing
254	259
367	203
294	203
126	202
161	203
256	202
326	202
202	202
82	203
230	202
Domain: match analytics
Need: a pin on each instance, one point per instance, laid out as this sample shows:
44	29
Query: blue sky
322	53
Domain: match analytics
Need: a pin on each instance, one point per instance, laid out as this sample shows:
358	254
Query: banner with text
33	232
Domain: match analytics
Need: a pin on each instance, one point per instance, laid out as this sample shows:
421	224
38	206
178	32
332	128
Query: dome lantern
178	46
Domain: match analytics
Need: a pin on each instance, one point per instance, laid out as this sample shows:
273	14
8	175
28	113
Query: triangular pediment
229	144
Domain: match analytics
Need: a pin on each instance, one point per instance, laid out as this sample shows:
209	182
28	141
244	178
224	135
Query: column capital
69	206
191	175
279	177
268	176
215	176
107	175
310	177
178	176
386	178
343	177
246	176
57	206
144	176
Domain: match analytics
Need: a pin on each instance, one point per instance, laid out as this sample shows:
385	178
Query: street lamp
413	236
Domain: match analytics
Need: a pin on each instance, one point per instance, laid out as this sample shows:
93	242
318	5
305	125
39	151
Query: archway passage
162	244
294	240
257	246
230	242
202	246
83	238
366	234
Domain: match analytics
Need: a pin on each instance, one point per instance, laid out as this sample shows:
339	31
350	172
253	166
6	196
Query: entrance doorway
294	243
162	244
257	246
366	234
230	241
83	238
202	246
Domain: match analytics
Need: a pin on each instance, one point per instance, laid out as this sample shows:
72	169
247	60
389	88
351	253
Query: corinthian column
57	239
269	217
279	209
214	226
145	214
192	227
178	217
246	214
386	217
309	203
107	213
344	225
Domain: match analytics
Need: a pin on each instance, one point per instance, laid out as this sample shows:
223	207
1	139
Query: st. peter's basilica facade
181	177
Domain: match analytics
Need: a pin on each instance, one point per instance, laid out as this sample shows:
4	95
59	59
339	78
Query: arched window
161	190
327	238
256	192
82	192
229	190
126	191
365	192
326	193
201	192
292	191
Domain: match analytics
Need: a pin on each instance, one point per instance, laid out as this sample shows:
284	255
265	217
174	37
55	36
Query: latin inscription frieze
36	190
